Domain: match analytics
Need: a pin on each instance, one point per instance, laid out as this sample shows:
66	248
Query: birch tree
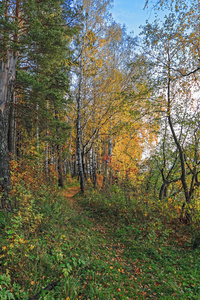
94	14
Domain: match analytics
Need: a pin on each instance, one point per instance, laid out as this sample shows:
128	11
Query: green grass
99	248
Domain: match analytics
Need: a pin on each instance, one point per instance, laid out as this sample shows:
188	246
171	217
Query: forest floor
123	263
80	250
71	192
69	195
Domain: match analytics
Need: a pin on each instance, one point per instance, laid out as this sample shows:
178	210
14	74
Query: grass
97	246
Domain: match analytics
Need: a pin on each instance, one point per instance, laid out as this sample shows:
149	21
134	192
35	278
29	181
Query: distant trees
77	96
108	97
88	46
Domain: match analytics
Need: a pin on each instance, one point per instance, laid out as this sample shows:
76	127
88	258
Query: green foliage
120	242
43	81
5	281
97	246
154	237
9	291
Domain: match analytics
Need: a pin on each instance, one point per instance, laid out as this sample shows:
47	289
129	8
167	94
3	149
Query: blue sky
130	13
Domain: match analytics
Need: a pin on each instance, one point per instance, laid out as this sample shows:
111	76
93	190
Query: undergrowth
112	244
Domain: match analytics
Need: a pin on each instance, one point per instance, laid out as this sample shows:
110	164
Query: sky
131	13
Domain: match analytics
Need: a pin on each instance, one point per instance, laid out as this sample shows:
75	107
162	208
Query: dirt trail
70	193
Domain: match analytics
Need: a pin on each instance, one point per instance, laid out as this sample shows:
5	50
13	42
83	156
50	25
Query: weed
96	246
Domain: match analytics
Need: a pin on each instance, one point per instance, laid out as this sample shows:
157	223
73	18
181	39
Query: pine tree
35	45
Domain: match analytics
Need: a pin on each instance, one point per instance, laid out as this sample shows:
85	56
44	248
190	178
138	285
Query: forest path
97	241
120	261
71	192
69	195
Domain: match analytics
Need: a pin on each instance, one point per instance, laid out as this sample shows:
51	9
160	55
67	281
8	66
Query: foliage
122	244
169	48
137	141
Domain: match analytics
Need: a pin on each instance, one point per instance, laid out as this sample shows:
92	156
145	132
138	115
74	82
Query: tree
93	19
109	98
43	75
8	64
172	54
35	45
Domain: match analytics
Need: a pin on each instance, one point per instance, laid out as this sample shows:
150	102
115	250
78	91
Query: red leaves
107	158
137	270
157	283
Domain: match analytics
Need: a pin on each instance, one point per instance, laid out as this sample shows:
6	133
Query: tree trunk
178	145
109	159
79	152
188	196
60	175
163	191
79	131
7	81
94	166
12	129
59	161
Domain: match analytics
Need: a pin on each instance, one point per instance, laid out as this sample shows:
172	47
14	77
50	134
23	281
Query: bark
163	191
18	145
59	161
12	129
79	131
79	152
110	157
12	119
178	145
7	81
60	175
188	196
38	138
90	171
94	167
46	162
110	147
